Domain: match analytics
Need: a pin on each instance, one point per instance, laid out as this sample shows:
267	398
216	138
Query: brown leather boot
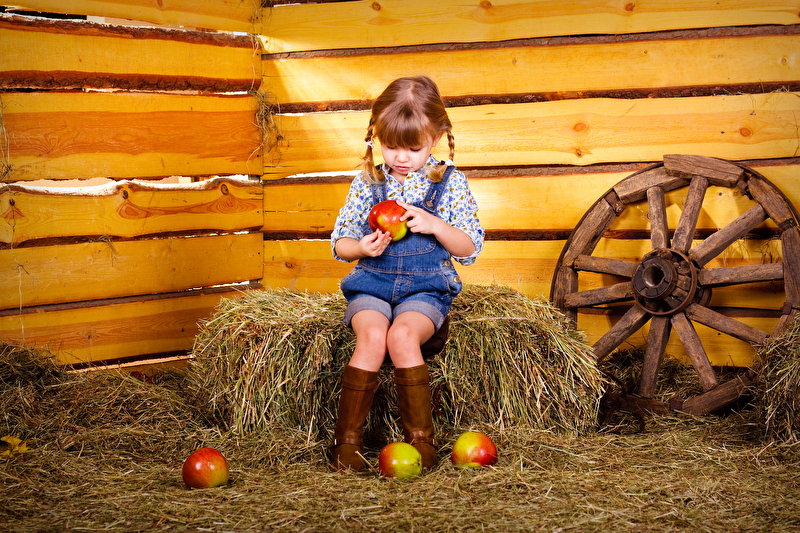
358	389
414	404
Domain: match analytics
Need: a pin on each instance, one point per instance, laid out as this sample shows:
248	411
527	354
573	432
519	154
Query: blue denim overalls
413	274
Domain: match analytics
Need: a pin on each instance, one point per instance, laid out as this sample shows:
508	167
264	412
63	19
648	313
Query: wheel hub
665	282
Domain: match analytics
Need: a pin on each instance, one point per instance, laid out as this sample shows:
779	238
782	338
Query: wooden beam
382	23
41	275
113	329
570	132
225	15
509	200
76	54
129	135
527	266
676	64
129	209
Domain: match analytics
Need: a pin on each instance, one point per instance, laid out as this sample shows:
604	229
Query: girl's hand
454	240
420	221
375	243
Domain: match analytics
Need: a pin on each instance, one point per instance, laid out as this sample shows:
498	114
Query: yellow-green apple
400	460
473	450
385	216
205	468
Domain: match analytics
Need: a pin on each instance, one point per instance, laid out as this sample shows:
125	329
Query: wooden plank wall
125	271
552	104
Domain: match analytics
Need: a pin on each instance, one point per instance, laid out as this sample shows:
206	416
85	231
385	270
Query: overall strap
436	191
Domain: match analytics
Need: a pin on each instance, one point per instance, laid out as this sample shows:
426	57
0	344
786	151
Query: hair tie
369	144
448	162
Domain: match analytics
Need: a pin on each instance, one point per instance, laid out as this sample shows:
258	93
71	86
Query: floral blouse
457	206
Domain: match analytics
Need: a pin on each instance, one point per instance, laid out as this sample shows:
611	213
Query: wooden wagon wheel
670	286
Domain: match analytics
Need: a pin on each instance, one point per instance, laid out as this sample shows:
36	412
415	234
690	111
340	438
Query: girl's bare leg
370	328
407	333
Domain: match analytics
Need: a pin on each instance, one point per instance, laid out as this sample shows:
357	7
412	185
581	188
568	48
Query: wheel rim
670	286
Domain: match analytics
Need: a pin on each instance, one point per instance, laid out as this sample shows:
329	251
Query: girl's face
402	161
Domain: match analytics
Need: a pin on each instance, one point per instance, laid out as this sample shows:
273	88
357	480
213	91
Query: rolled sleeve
459	209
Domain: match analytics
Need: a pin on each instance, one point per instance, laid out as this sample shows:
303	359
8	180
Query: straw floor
104	452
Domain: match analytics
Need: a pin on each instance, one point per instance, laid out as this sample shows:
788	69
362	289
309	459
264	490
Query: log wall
124	272
552	103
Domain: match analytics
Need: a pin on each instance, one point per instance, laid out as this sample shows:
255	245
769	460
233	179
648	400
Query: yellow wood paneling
103	269
301	206
528	267
302	265
129	135
506	202
385	23
115	330
567	69
129	209
570	132
226	15
90	55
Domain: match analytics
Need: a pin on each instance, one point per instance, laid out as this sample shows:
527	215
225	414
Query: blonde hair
407	113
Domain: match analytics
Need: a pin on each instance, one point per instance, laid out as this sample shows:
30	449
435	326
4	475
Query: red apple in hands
400	460
385	216
205	468
473	450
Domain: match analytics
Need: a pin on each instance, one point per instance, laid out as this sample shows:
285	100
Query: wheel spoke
656	346
725	324
694	348
565	282
671	285
657	209
586	236
717	277
718	397
605	265
717	242
629	324
790	243
618	292
684	232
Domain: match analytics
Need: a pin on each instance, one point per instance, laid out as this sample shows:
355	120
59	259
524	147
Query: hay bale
57	410
274	358
779	389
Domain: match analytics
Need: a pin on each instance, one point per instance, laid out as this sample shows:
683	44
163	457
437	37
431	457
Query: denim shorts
429	293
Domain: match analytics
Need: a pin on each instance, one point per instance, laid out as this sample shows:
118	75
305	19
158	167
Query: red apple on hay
400	460
205	468
473	450
385	216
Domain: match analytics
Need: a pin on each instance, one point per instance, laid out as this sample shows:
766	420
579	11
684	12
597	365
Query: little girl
400	292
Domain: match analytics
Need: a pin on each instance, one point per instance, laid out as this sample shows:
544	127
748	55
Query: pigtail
436	173
367	165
